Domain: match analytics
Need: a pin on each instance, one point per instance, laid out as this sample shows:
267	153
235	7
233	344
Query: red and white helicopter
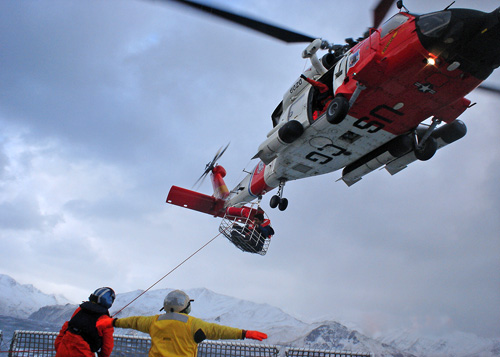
361	106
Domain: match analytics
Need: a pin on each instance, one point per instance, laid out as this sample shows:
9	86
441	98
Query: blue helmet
104	297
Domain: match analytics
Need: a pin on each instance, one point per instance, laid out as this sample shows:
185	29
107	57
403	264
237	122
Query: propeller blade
220	153
271	30
200	180
211	164
381	11
488	88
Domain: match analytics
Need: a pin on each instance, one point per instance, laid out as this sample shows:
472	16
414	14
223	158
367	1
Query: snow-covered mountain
21	301
453	344
282	328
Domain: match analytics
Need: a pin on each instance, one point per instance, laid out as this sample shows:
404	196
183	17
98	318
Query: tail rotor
210	166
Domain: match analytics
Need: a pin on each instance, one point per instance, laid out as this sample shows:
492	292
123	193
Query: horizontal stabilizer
196	201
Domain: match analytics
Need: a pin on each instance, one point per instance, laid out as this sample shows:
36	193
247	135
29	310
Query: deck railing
41	344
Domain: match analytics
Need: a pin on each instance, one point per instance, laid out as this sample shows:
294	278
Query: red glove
255	335
105	322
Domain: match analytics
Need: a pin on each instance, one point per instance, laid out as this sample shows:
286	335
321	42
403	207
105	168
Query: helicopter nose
468	37
482	47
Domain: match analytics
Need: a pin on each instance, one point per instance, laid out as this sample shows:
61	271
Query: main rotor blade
380	11
489	88
257	25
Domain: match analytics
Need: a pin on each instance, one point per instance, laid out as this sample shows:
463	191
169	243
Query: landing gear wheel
283	204
337	110
278	200
275	201
427	150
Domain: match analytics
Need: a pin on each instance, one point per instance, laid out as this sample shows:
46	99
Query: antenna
447	7
400	5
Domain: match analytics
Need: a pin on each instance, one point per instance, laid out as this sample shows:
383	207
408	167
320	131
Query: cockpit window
433	25
394	22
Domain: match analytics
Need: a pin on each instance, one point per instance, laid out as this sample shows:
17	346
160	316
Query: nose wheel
278	200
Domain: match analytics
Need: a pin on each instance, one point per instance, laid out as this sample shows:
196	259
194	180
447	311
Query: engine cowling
279	139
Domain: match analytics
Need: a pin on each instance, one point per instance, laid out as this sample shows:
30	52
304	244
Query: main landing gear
426	147
278	200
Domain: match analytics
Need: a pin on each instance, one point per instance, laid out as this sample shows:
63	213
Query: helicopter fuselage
362	106
402	74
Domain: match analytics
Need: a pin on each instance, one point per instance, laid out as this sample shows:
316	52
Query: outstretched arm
204	330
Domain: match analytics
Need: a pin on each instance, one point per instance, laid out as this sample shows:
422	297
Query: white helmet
177	301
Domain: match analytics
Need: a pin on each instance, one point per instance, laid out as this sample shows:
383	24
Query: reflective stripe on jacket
177	335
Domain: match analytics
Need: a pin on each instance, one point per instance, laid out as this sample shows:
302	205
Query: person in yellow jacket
175	333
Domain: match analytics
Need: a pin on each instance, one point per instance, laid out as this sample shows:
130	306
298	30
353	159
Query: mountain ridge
282	328
21	301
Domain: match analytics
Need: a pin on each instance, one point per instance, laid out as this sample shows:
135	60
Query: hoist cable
163	277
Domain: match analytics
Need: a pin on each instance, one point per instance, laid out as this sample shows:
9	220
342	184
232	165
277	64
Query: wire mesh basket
243	233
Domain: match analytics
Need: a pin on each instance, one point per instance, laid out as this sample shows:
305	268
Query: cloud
104	106
23	213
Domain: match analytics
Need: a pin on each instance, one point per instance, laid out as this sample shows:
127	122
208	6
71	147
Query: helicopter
361	106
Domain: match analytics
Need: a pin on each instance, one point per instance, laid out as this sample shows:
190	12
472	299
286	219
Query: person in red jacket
322	96
262	230
80	337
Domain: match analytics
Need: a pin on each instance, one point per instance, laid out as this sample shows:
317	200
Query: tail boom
196	201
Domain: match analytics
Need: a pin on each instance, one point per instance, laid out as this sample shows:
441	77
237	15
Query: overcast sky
104	105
